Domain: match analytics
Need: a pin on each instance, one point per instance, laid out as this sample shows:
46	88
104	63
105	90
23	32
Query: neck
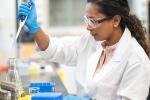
115	37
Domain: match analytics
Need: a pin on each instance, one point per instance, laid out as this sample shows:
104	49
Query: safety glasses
94	22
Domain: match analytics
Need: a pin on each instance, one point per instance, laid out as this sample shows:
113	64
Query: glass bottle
14	76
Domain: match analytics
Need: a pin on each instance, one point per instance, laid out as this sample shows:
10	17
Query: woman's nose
88	27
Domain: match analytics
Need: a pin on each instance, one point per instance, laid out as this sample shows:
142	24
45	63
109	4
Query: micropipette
22	23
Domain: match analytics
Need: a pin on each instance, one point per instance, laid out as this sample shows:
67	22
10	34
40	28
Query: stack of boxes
46	92
42	91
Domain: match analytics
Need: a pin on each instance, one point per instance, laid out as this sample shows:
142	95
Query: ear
116	20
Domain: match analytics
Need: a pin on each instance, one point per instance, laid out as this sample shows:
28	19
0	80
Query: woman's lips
93	34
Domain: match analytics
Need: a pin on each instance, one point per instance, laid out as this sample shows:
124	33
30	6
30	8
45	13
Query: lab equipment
42	91
31	21
5	95
27	97
14	76
22	22
9	86
43	87
47	96
33	90
75	98
34	72
93	22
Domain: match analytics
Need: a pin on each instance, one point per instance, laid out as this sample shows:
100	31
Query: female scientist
111	61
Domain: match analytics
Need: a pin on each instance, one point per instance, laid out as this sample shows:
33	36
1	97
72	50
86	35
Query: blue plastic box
47	96
44	87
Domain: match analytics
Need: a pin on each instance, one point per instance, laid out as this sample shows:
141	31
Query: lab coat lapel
92	62
119	54
122	48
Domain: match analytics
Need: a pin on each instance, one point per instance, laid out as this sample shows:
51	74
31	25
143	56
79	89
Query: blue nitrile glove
75	98
30	12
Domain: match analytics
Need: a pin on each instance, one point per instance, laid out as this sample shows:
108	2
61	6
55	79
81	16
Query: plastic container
43	87
25	98
47	96
33	90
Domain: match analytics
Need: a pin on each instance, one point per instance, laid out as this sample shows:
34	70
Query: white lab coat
125	77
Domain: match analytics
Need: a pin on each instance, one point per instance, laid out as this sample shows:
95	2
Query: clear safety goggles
92	22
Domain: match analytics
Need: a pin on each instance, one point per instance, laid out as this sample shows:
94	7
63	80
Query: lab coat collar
123	45
99	46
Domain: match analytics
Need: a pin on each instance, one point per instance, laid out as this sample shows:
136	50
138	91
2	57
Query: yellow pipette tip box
25	98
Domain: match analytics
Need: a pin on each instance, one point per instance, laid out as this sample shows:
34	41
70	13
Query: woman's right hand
28	10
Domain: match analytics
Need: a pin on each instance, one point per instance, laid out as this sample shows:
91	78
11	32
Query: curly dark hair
121	7
139	32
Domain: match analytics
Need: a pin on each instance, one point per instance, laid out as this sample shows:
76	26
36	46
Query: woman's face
102	31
